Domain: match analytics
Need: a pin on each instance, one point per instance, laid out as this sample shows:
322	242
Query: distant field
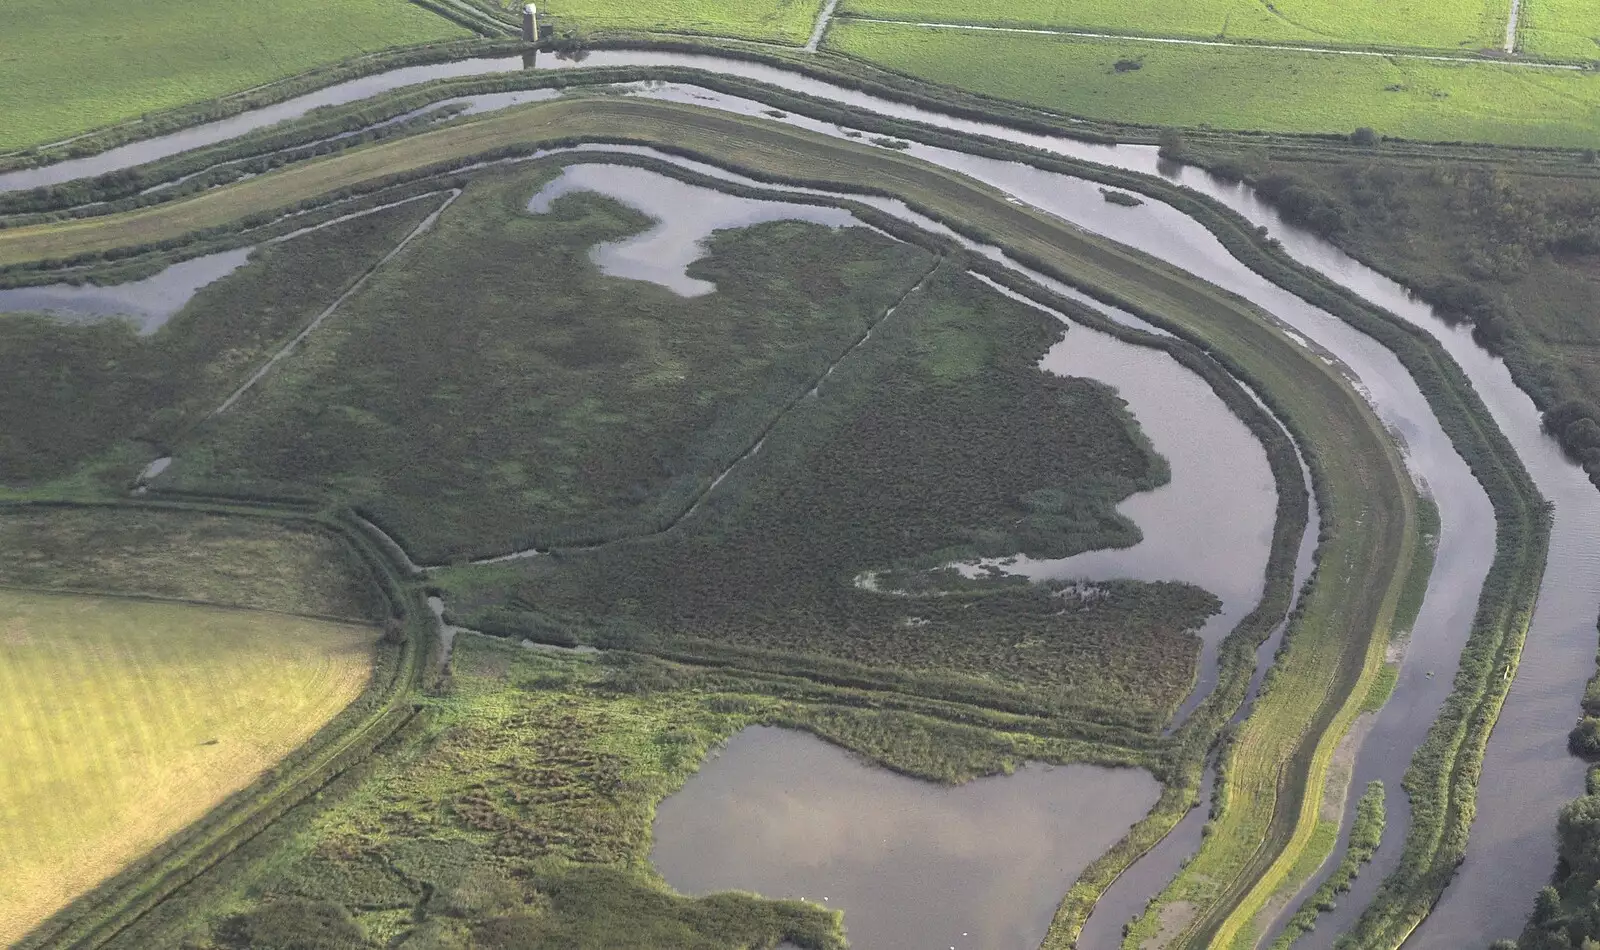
780	20
1436	24
1561	28
68	66
1231	88
127	721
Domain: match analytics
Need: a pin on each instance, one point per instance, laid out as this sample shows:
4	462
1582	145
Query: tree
1365	137
1173	145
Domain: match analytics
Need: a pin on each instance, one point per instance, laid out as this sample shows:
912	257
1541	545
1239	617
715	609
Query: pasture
69	66
779	21
1439	24
1243	89
127	721
1560	29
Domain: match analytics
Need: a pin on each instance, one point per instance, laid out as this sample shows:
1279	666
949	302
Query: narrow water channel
1527	773
912	864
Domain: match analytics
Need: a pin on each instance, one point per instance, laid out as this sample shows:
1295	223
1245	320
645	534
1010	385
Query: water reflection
685	215
912	864
148	303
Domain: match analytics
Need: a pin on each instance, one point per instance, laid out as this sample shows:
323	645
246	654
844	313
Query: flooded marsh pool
912	864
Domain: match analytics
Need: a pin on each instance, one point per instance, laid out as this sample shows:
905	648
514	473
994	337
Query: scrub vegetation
556	405
1251	90
127	61
937	439
76	393
519	814
1451	25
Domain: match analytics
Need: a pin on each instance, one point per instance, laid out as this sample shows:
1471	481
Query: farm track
1366	504
1226	44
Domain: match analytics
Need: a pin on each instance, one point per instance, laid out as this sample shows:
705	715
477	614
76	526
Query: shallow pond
685	217
913	865
148	303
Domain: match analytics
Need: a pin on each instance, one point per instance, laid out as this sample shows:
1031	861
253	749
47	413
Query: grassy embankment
1366	833
1451	25
1259	350
133	719
97	400
163	54
1243	89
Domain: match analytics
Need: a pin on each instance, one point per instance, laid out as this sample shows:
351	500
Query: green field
130	720
782	21
126	61
1565	29
1244	89
1437	24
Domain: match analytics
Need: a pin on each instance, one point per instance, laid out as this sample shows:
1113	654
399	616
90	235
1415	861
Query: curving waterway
1527	773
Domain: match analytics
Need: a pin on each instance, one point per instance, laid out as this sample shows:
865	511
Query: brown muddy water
912	864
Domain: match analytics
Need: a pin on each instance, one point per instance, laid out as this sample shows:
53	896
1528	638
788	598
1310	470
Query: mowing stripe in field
127	720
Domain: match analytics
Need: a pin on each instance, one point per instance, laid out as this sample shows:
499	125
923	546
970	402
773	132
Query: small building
530	23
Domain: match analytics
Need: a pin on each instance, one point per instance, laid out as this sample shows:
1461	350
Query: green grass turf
783	21
1436	24
1567	29
127	721
69	66
1245	89
493	390
937	438
75	393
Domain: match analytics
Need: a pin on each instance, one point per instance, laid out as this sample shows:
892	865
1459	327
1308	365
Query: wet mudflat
913	865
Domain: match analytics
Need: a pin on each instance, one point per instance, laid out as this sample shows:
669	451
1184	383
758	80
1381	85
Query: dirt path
1511	26
823	19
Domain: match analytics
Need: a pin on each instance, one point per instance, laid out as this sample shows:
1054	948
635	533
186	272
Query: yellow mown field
126	721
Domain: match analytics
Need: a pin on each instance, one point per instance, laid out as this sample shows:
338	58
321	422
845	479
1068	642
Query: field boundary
1378	52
